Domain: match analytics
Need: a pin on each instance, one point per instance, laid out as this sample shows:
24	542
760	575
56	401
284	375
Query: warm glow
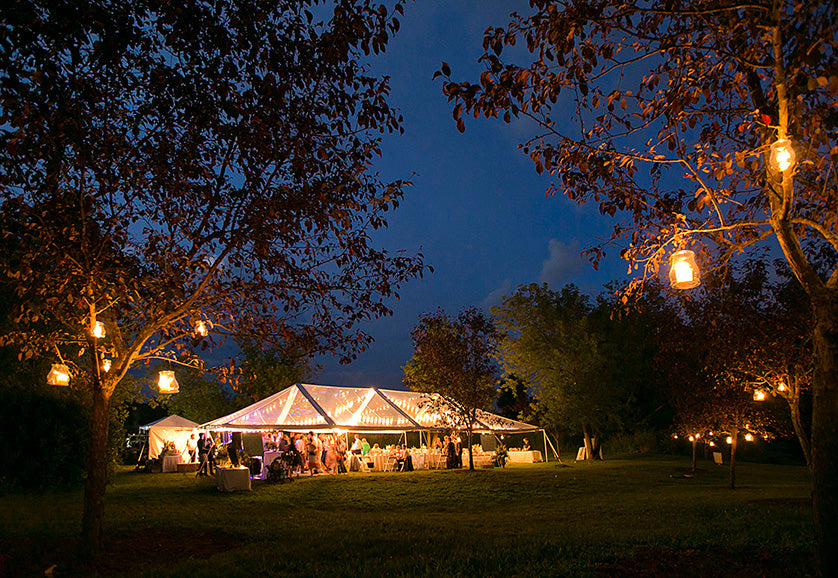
783	156
692	438
781	387
201	329
729	440
749	437
59	374
106	365
684	273
712	444
759	395
99	330
166	382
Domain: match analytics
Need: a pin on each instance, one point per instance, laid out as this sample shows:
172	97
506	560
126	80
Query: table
480	460
232	479
519	457
169	463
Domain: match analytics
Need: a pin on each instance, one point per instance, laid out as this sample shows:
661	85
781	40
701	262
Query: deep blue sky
477	208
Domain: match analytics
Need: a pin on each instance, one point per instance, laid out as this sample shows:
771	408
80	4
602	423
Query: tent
328	408
171	428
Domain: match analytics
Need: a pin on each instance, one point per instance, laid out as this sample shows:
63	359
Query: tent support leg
555	453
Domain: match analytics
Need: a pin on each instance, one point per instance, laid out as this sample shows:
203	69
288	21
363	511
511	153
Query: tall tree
454	357
167	163
675	106
551	342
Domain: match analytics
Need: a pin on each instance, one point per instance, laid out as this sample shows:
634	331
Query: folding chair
390	464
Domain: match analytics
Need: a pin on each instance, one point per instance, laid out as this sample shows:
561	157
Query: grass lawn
621	517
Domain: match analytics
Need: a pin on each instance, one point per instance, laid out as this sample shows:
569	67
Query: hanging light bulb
749	437
106	365
683	273
782	156
59	374
729	440
166	382
759	395
201	329
98	330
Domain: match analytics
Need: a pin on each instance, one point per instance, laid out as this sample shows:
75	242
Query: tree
164	164
454	357
675	107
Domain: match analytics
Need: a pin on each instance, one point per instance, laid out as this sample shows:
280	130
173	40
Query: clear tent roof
304	407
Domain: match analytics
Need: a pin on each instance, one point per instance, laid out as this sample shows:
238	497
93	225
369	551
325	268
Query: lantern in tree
201	329
166	382
106	365
98	330
759	395
782	156
59	374
684	273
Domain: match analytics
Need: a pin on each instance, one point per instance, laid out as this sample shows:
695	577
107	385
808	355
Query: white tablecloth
480	460
170	463
525	457
232	479
267	461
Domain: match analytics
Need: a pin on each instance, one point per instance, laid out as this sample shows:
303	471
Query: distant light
99	330
749	437
712	444
59	374
759	395
729	440
201	329
781	387
692	438
106	365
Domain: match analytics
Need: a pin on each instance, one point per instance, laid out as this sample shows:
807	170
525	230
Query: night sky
477	208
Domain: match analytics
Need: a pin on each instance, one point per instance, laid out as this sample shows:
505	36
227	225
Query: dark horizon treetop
168	163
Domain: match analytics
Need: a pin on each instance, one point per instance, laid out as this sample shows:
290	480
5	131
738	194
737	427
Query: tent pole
555	453
546	453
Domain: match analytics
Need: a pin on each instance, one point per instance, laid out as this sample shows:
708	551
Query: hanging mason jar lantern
759	395
106	365
684	273
782	156
98	330
166	381
59	374
201	329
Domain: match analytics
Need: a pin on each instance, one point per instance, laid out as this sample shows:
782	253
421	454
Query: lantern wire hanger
59	373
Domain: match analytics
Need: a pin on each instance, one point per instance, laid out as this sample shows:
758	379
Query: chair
390	464
362	464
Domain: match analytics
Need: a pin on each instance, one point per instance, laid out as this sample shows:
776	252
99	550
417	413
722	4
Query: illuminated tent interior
327	408
171	428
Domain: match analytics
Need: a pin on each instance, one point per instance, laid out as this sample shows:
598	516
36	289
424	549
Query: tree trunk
734	436
695	443
824	446
97	474
591	444
469	435
797	423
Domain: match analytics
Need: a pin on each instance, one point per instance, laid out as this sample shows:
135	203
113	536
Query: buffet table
232	479
519	457
480	460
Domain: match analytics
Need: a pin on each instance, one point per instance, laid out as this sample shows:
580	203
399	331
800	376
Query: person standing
450	453
206	453
192	448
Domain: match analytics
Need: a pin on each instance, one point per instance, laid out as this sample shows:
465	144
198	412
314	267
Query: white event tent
328	408
170	428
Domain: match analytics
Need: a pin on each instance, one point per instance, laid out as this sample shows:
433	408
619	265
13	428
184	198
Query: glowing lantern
166	382
782	156
712	444
201	329
59	374
99	330
781	387
729	440
106	365
759	395
749	437
684	274
692	438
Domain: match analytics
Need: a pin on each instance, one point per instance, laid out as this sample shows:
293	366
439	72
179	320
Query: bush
45	438
639	442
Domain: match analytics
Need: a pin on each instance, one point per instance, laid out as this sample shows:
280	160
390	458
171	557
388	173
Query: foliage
501	456
45	434
454	358
164	164
590	369
264	371
675	105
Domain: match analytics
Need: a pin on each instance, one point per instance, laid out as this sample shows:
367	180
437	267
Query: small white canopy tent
171	428
328	408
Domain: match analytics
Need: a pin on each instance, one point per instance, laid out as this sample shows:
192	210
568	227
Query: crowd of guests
310	453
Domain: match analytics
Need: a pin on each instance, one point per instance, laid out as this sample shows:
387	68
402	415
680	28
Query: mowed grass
631	516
